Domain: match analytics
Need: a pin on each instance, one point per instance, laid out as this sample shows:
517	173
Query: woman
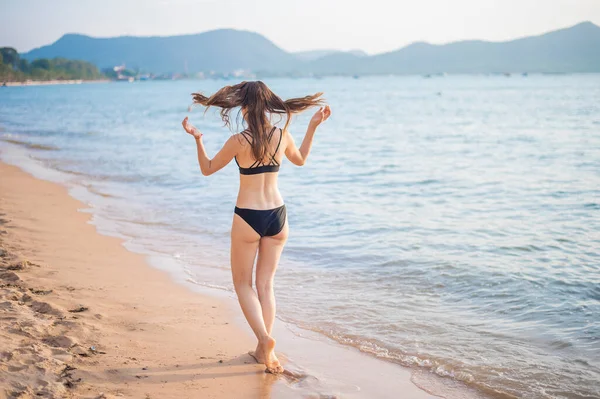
260	228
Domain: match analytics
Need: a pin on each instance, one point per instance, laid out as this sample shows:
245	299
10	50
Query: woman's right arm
224	156
296	155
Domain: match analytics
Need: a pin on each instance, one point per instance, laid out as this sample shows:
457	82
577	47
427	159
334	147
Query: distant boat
524	74
122	78
356	76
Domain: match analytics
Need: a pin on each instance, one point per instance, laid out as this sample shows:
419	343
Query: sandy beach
82	317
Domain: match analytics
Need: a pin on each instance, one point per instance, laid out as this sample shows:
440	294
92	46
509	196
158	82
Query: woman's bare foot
270	360
258	354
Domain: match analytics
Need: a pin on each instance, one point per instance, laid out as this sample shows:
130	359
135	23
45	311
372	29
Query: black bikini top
259	167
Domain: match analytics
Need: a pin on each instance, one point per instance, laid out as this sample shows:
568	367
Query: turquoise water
448	224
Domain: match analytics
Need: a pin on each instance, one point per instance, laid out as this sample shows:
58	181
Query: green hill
14	68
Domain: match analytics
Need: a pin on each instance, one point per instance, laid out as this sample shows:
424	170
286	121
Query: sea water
449	224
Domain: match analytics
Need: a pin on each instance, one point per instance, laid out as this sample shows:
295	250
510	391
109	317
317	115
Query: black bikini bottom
267	222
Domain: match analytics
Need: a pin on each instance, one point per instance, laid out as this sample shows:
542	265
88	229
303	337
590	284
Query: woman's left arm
224	156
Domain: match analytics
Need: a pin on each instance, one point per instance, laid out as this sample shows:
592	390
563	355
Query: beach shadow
208	369
203	370
179	368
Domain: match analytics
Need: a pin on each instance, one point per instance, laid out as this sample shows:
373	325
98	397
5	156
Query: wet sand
82	317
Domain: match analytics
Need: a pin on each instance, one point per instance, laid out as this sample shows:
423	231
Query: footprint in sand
44	308
79	309
6	306
40	292
59	341
9	277
20	265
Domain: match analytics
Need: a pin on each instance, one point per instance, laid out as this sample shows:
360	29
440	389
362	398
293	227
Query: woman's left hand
321	116
191	129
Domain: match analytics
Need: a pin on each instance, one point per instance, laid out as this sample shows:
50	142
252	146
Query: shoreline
177	345
52	82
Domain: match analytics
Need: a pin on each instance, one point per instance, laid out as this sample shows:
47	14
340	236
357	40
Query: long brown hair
259	104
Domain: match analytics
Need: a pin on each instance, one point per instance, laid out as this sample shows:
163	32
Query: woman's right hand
191	129
320	116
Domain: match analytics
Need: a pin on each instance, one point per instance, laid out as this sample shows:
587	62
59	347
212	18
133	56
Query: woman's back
258	179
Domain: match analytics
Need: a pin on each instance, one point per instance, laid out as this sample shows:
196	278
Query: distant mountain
574	49
218	50
316	54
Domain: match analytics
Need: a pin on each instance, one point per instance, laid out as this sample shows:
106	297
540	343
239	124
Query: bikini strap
279	142
271	133
277	148
244	133
257	163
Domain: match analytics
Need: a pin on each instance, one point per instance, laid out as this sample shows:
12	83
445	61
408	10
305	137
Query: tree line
13	68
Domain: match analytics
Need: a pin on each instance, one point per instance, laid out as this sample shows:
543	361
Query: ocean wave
30	146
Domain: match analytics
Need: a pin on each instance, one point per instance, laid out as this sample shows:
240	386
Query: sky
373	26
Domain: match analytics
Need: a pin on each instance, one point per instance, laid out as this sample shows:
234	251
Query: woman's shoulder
243	137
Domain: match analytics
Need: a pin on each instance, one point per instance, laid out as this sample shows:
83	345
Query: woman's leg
244	245
269	252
